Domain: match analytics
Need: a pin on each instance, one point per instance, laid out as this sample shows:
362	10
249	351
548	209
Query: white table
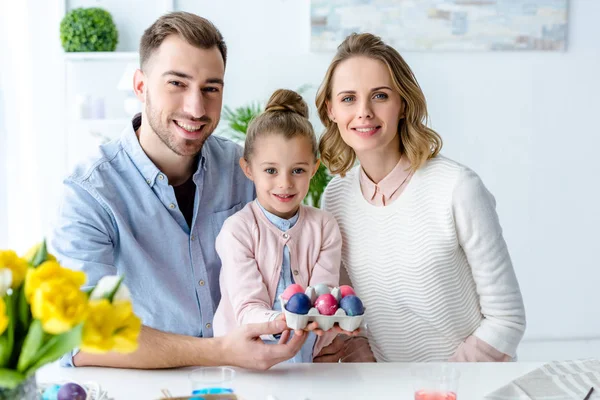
294	381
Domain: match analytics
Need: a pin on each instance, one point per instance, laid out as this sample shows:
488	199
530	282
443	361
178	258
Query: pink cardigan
251	252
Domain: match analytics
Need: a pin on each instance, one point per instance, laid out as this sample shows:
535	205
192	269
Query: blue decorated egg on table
352	305
299	303
51	392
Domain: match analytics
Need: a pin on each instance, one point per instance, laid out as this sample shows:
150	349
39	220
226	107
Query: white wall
523	121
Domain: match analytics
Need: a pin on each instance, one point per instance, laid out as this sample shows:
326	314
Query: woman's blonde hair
417	141
286	114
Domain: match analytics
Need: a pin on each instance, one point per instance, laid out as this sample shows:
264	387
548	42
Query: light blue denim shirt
285	279
119	215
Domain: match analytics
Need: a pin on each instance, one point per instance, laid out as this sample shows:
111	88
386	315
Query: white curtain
32	139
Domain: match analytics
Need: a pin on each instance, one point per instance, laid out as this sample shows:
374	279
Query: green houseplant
88	29
237	125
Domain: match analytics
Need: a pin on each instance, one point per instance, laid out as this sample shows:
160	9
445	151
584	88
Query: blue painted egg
71	391
352	305
51	392
298	304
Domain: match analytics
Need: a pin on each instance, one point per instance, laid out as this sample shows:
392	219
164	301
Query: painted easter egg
346	290
326	304
291	290
352	305
71	391
299	303
51	392
321	289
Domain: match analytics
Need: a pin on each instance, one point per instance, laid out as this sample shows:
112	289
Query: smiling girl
275	240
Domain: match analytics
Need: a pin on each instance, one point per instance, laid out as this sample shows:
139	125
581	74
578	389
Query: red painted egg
326	304
291	290
346	290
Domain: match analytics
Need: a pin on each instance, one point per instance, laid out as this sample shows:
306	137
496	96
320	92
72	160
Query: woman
422	244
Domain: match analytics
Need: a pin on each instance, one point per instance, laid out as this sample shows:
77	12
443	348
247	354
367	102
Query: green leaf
110	296
56	347
40	255
9	379
22	307
317	186
8	337
238	120
33	342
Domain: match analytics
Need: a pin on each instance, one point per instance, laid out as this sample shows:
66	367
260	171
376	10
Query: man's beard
189	147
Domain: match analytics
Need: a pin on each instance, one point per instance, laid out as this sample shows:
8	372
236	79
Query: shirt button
201	283
192	238
161	177
285	236
208	325
296	272
148	181
171	206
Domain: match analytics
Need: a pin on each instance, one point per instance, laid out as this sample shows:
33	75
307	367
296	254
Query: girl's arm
480	236
241	280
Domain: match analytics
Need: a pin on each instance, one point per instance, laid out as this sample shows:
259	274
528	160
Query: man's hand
244	348
346	349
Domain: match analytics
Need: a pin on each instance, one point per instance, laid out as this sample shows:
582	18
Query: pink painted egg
291	290
346	290
326	304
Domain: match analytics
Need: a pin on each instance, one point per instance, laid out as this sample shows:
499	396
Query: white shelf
102	56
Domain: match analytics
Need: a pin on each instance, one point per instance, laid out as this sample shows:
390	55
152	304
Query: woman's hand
346	349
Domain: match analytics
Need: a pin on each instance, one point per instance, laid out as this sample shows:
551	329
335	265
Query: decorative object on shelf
88	29
237	123
131	104
45	314
89	107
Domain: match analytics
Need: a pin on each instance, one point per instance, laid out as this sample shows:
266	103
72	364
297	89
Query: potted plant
45	314
88	29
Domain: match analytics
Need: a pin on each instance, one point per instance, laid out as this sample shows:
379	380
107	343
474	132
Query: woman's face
365	106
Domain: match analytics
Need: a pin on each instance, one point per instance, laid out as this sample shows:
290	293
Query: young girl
275	241
423	247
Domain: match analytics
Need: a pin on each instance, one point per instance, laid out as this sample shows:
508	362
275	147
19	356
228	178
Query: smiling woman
422	244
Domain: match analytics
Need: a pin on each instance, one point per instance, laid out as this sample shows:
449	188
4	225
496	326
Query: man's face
182	91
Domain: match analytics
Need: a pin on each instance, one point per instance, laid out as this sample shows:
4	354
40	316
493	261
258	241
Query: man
150	206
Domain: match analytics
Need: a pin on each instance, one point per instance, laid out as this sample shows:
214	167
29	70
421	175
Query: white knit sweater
432	268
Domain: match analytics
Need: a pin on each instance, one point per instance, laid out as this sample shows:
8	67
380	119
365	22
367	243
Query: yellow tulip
51	270
3	316
110	327
18	266
59	305
31	252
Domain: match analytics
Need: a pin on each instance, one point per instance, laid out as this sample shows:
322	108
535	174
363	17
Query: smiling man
150	205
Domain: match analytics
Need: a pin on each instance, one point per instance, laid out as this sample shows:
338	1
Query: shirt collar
131	144
388	185
281	223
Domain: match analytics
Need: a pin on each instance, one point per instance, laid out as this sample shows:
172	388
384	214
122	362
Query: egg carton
326	322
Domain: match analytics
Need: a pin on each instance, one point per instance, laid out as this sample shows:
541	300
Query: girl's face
365	106
281	170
